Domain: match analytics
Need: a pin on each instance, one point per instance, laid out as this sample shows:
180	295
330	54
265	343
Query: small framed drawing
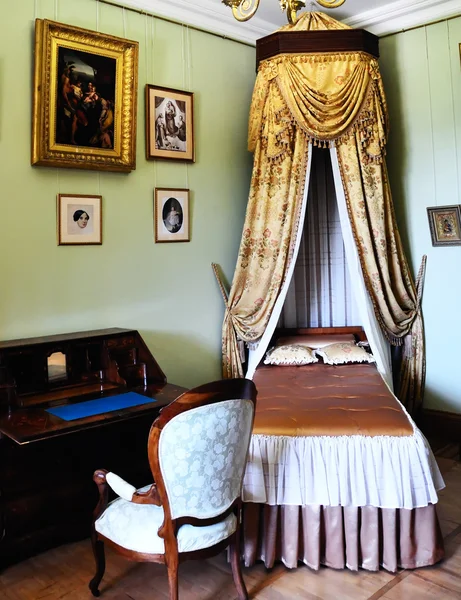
79	219
445	225
171	215
169	124
84	99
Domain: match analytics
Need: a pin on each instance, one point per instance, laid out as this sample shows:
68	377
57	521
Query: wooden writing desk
46	463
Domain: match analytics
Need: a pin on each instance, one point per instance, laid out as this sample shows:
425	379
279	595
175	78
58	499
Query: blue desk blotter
80	410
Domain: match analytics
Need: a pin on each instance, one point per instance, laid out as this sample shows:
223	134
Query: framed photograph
169	124
84	99
445	225
171	215
79	219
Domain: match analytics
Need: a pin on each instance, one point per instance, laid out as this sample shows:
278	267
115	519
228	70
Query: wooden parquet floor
63	573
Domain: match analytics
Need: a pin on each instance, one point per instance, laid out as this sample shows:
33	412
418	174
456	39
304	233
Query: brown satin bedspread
319	399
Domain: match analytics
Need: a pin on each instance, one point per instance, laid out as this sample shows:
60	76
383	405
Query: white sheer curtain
332	291
378	343
320	292
257	352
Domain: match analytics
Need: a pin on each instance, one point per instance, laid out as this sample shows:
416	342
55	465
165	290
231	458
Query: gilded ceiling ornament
330	3
243	10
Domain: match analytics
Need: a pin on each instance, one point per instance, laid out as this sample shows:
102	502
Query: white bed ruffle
381	471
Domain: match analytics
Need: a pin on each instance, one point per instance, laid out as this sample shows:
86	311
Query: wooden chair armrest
149	497
99	478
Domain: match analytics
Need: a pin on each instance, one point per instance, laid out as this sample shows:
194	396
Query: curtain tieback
224	293
420	281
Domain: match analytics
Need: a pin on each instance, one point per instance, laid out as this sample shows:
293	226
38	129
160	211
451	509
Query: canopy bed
338	473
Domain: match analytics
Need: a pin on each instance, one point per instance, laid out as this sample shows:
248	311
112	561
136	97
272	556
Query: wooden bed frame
338	536
356	330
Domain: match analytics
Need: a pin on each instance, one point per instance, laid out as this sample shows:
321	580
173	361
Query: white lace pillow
343	353
290	355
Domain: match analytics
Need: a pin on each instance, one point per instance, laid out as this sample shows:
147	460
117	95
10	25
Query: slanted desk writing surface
47	463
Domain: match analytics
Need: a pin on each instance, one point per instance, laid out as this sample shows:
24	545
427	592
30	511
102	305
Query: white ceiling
378	16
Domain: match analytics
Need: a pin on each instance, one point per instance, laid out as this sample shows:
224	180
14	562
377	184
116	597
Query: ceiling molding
404	14
205	15
213	16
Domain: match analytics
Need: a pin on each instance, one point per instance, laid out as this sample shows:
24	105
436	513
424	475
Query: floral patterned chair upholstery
197	451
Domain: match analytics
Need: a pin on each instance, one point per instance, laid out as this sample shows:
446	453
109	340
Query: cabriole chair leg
100	559
237	571
173	580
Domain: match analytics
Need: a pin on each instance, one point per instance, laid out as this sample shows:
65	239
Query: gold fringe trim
365	128
357	129
316	57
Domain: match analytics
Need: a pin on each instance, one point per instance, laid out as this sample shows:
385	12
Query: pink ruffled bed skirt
337	537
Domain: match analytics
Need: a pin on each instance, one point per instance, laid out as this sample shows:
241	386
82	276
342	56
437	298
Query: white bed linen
380	471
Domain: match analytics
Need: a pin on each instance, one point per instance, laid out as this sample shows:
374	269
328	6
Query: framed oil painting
445	225
79	220
171	215
84	102
169	124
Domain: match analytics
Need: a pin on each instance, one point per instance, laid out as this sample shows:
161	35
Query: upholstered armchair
197	450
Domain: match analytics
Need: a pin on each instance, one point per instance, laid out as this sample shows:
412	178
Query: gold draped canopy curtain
325	99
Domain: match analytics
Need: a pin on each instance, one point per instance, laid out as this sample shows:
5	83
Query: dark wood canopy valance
300	42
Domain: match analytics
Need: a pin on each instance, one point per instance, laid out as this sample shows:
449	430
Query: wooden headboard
356	330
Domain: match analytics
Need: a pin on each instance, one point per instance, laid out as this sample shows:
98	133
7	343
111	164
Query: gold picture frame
171	215
79	220
84	99
169	124
445	225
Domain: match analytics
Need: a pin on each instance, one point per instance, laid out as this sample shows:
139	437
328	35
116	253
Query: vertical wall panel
442	118
423	85
79	14
410	145
111	18
167	291
454	37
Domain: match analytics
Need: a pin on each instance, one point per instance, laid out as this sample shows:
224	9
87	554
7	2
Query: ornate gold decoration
330	3
243	10
291	7
49	37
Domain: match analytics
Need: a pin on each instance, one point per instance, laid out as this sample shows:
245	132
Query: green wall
422	76
166	291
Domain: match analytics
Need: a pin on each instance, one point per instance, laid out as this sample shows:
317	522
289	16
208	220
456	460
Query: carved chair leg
99	478
237	567
173	567
100	559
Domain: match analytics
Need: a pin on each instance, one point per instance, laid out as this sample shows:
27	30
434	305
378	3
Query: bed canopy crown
333	98
329	94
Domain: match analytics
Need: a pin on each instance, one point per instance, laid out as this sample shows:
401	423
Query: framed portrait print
169	124
79	219
84	99
171	215
445	225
